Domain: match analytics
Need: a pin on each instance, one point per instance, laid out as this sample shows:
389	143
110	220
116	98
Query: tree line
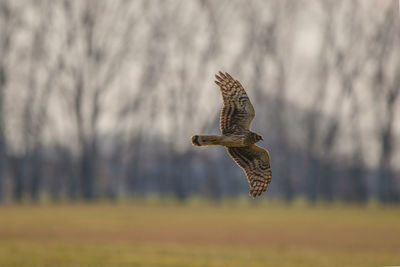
100	98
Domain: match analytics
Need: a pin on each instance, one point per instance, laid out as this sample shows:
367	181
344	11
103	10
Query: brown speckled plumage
235	119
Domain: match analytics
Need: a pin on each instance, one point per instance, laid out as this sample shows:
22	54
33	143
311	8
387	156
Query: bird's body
238	139
235	119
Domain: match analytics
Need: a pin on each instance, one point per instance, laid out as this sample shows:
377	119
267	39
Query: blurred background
99	99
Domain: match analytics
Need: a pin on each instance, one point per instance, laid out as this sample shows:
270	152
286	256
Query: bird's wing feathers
237	110
236	114
255	162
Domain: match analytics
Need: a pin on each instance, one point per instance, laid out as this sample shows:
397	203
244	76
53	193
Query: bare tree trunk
35	173
7	28
2	136
88	167
17	169
387	186
388	35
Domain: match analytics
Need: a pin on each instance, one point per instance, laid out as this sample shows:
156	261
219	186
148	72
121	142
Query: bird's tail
206	140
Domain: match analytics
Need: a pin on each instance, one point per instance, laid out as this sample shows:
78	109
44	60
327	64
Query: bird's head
257	137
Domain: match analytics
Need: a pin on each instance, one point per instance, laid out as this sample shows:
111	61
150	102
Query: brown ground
321	228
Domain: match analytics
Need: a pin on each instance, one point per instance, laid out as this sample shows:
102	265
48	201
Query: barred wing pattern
237	112
236	116
255	162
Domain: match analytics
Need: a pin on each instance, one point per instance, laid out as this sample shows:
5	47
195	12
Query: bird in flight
235	118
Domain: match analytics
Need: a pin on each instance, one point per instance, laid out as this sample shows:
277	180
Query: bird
236	116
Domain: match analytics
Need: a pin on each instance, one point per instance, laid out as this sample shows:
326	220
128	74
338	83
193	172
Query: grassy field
198	235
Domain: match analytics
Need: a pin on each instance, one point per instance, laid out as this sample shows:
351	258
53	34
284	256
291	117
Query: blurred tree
268	45
95	53
386	85
10	16
40	83
100	97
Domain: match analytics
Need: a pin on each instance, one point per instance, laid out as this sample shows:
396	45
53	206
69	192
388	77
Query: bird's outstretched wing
237	112
255	162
